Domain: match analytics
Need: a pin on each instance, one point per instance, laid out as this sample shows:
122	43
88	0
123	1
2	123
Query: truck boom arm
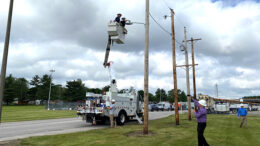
107	51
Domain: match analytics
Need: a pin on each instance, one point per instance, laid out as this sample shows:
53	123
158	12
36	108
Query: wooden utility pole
187	74
193	66
174	71
5	56
146	68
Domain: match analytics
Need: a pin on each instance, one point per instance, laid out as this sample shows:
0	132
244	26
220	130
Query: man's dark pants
201	139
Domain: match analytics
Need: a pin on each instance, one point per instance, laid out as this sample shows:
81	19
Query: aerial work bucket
116	32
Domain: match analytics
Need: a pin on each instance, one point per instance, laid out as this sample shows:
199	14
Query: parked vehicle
164	106
154	107
221	107
234	107
253	108
127	105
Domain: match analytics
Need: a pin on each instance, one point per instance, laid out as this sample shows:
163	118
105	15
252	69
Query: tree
141	92
9	90
32	92
57	92
43	87
94	90
106	88
75	90
251	97
151	97
21	89
181	96
160	95
35	82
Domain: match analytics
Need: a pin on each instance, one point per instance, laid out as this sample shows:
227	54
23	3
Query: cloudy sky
70	36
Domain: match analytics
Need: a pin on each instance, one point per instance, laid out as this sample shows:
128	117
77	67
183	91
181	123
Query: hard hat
203	102
241	105
113	100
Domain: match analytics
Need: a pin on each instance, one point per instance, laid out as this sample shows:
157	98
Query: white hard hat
113	100
203	102
241	105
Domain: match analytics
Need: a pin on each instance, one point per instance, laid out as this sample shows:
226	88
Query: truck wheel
122	118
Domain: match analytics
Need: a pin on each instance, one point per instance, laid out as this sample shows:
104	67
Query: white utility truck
164	106
221	107
128	105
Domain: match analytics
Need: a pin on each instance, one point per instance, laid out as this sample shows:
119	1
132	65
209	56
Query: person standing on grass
242	112
111	108
201	115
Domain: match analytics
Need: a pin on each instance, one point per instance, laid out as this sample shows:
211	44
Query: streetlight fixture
52	71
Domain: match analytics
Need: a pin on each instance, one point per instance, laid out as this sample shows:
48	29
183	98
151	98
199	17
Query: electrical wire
177	17
163	28
166	4
160	25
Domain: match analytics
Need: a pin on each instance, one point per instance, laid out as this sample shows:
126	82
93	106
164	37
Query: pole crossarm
194	40
186	65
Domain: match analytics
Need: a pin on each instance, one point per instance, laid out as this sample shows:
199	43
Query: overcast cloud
71	35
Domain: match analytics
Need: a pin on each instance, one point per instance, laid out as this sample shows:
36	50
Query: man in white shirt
111	109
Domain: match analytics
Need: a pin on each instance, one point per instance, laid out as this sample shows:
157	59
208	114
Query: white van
164	106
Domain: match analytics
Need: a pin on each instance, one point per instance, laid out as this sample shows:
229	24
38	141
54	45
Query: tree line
251	97
162	95
38	88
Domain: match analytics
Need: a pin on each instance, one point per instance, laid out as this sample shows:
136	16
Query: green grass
27	113
221	130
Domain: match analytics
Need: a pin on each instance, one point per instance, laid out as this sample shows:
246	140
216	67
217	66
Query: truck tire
122	118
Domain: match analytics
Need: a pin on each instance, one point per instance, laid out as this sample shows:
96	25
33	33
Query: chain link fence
63	105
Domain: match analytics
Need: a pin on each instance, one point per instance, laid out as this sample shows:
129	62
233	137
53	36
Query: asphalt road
18	130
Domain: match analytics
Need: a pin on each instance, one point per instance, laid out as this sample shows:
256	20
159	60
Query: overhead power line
163	28
159	24
166	4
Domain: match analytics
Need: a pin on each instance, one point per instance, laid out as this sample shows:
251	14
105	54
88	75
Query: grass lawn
27	113
222	130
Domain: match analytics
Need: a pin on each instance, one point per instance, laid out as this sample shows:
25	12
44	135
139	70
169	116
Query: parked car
164	106
154	107
150	107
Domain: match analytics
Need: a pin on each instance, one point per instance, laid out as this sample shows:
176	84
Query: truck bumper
90	117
